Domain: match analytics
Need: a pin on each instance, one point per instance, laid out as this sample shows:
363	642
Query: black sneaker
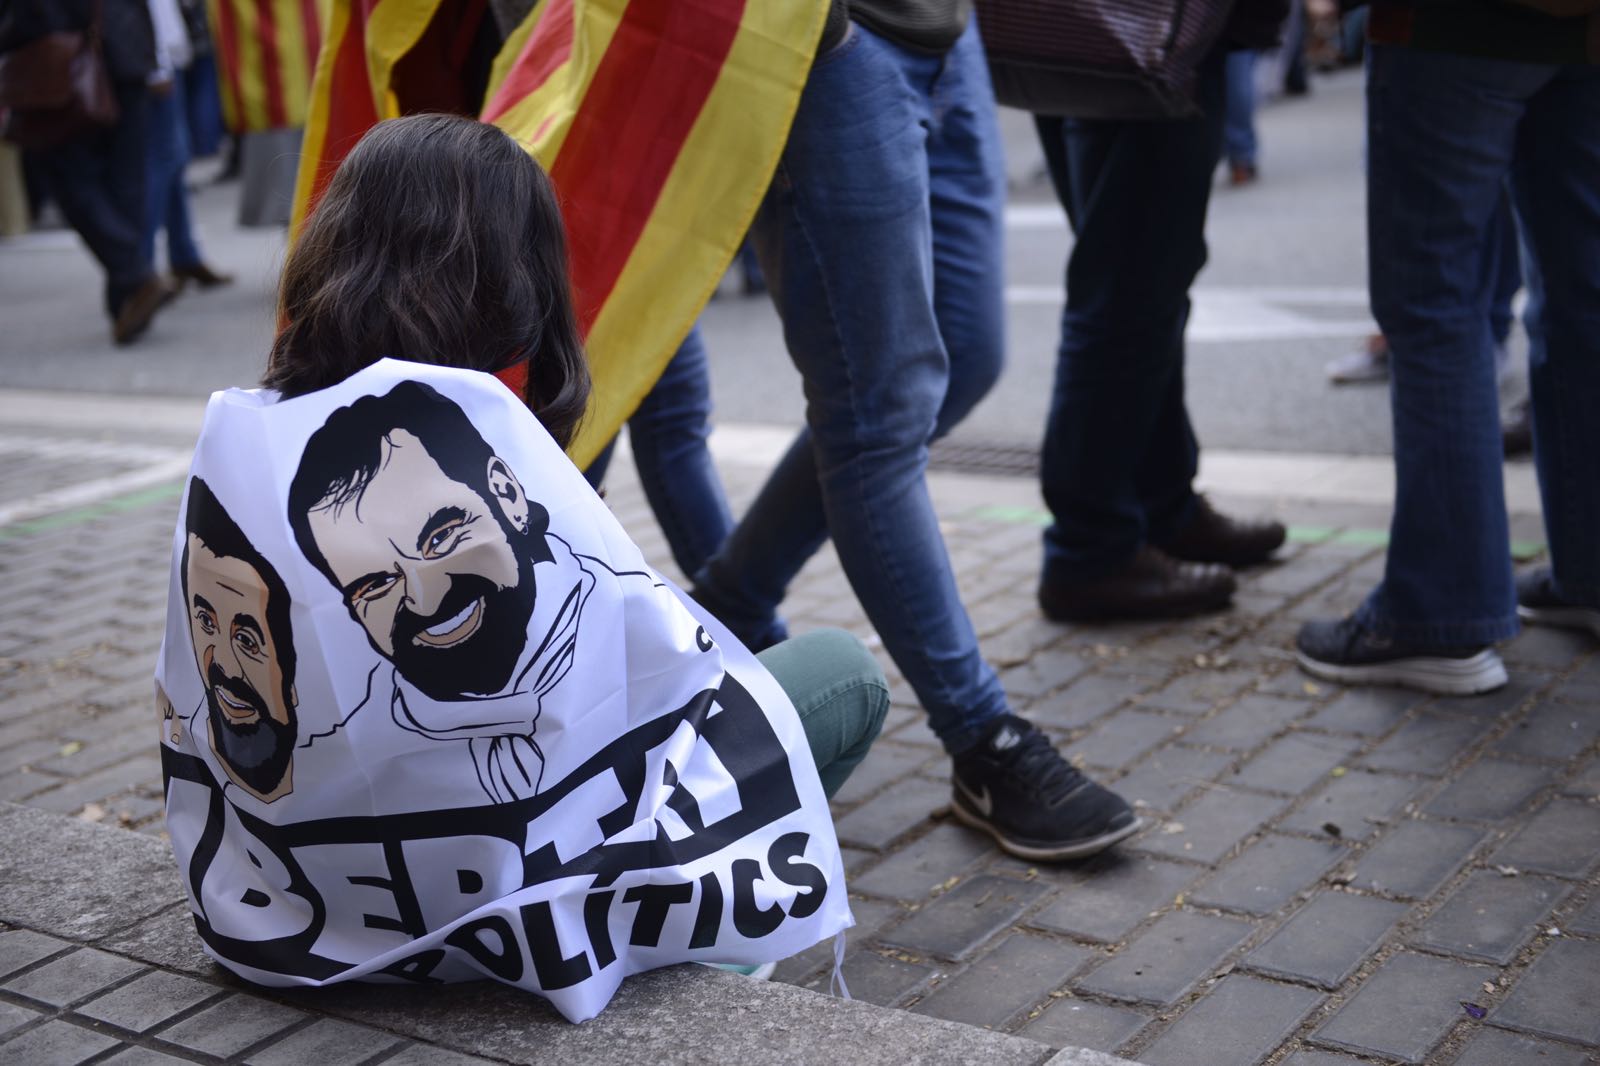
1539	602
1344	651
1017	788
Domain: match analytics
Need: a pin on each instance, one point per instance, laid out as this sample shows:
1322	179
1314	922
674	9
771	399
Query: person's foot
1539	602
1368	364
202	275
1242	173
1344	651
1209	537
134	316
1152	585
1016	787
1516	431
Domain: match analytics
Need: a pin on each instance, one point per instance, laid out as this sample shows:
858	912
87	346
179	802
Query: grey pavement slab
149	1000
1415	858
1208	828
887	980
1587	921
1492	1047
13	1017
1084	1023
957	923
20	948
1243	1020
55	1042
232	1025
1245	724
1113	894
1294	763
1325	941
1557	996
326	1042
1405	1008
1556	728
916	871
1426	744
1562	839
1165	777
1268	874
1166	960
1021	973
1491	916
72	977
1491	789
1367	712
1352	806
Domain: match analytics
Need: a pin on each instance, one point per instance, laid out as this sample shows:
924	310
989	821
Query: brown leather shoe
1209	537
201	275
134	316
1152	585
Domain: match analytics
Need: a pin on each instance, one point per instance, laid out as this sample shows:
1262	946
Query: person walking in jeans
1130	539
1455	106
880	238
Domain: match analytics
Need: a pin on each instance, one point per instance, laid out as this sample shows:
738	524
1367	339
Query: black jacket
128	41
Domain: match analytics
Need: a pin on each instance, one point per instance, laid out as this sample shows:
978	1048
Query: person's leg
163	167
669	435
1136	193
183	251
1240	126
1503	264
840	693
1441	131
1558	155
786	525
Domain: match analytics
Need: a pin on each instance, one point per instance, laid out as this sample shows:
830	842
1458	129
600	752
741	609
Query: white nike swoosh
984	803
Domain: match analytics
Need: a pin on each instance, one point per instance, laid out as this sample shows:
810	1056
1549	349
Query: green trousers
839	690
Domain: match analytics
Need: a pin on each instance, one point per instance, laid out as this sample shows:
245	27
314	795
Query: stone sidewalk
1329	876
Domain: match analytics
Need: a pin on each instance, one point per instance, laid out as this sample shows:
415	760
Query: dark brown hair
439	240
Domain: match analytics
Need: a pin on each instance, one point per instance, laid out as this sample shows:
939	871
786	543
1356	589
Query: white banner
427	715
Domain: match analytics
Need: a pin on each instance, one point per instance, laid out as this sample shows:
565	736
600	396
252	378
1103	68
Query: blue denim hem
1435	635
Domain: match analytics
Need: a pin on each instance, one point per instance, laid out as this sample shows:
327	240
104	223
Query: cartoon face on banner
443	729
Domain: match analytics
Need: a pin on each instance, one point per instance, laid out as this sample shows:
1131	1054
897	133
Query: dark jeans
1119	453
1445	133
98	181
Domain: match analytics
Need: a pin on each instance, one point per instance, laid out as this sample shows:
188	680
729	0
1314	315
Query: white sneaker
1360	367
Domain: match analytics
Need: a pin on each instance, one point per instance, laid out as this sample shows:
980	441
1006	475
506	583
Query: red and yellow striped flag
660	122
266	50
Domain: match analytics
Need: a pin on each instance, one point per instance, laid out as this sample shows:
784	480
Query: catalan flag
266	51
660	122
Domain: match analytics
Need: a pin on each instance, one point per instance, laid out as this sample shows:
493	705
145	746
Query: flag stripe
228	45
311	19
271	72
626	136
548	47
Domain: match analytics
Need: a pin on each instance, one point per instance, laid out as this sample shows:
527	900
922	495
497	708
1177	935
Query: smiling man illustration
238	610
433	544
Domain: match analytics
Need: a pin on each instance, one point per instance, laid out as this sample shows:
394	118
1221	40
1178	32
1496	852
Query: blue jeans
881	241
166	195
1445	132
668	435
1119	453
1239	127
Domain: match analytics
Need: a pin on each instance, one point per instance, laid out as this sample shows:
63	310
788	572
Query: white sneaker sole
1565	617
1484	672
1080	849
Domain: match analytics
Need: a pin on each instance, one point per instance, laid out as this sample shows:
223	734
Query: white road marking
1246	313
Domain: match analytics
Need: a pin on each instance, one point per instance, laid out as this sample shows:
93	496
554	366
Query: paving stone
1293	763
55	1043
1239	1022
1585	693
1043	673
1415	858
1557	996
1166	960
148	1001
919	867
1196	693
1550	647
143	1056
886	980
1246	724
1426	744
72	977
69	798
870	914
1367	712
1490	789
1492	1047
885	763
958	922
1405	1008
1586	782
1212	825
892	815
1123	737
1587	920
14	1017
227	1028
1267	874
1553	730
168	940
1168	775
1021	972
1491	916
1327	940
1072	1022
326	1042
1563	839
1355	805
428	1055
1113	894
20	948
1321	1058
1086	700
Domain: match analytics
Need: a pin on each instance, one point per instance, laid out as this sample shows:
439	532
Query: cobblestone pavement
1329	875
